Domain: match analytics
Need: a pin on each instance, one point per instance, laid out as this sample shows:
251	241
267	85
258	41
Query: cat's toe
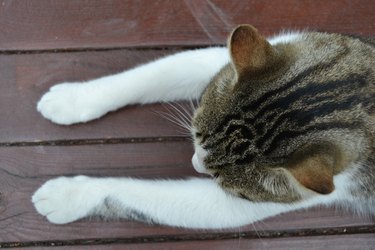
58	105
67	104
64	200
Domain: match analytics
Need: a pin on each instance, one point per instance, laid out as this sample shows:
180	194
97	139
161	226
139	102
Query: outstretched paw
70	103
63	200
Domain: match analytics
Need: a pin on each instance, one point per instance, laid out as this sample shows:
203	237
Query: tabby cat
282	124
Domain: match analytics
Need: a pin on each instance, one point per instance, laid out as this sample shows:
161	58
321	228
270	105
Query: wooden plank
339	242
361	241
24	79
24	169
55	24
133	159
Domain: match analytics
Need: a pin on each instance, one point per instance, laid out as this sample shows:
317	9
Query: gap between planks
368	229
129	48
95	141
100	49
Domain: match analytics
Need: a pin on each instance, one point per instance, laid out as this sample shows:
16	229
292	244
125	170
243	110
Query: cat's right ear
314	166
250	52
315	173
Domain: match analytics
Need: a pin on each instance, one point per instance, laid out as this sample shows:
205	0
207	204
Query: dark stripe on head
245	160
310	90
240	148
256	103
287	135
306	73
227	119
300	118
245	131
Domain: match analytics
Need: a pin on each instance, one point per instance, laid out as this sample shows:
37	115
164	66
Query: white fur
197	160
193	203
181	76
285	37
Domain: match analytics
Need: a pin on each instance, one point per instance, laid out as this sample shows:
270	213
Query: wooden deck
44	42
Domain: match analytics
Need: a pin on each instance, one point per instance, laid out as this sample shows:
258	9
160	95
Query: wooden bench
44	42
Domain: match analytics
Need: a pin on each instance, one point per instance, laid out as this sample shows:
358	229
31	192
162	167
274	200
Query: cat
283	124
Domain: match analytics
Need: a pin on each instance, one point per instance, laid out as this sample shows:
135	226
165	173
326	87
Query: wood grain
339	242
24	169
44	42
25	78
362	241
55	24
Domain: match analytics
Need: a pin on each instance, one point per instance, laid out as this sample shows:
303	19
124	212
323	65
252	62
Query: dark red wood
362	241
55	24
62	28
24	169
25	78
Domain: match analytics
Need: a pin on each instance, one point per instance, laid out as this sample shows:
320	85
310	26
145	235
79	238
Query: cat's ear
314	167
251	53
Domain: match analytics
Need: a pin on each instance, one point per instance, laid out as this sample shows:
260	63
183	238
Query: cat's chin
198	165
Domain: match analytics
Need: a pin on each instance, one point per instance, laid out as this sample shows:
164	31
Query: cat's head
273	124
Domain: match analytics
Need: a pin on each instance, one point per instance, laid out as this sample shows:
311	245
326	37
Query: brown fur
251	54
299	112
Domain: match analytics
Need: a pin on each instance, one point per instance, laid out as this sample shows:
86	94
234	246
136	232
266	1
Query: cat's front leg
192	203
182	76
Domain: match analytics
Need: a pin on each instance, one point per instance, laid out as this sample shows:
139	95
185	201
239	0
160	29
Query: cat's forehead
308	57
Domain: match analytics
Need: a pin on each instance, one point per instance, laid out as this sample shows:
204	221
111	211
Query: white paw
70	103
63	200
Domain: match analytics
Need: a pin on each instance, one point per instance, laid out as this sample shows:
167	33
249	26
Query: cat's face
273	124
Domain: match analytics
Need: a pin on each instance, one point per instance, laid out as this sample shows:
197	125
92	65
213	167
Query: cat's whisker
188	114
182	117
179	116
280	127
239	237
177	119
185	112
193	106
264	226
259	228
177	122
183	122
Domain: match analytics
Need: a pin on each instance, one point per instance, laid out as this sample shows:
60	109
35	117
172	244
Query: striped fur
283	134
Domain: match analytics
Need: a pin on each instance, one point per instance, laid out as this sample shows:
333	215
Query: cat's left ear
251	53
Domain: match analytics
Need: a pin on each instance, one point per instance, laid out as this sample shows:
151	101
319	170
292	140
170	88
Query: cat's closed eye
198	134
275	103
282	124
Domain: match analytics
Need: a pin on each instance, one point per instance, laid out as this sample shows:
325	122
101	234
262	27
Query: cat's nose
198	164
